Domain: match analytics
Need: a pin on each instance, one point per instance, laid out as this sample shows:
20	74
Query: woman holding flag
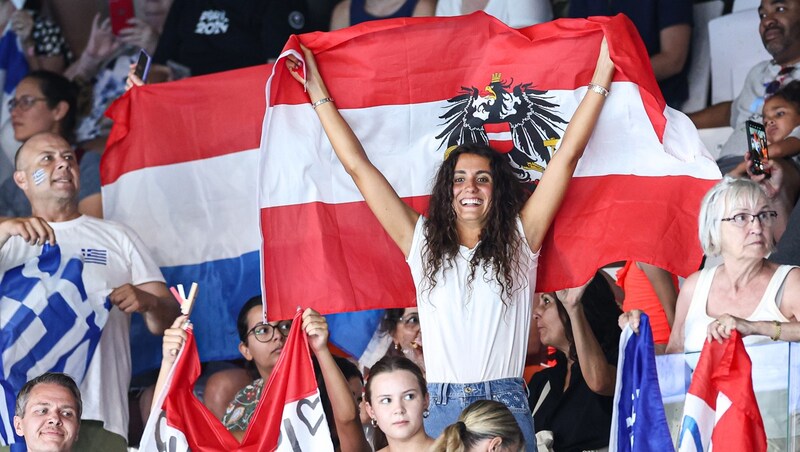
474	257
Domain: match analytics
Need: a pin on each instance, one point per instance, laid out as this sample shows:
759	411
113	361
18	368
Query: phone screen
757	146
143	66
120	11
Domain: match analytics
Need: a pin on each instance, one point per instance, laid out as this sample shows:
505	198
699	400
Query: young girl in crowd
474	257
485	426
781	113
397	402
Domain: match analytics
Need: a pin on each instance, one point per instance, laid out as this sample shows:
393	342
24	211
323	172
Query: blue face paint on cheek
38	176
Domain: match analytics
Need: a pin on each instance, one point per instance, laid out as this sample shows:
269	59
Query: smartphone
143	66
120	11
757	146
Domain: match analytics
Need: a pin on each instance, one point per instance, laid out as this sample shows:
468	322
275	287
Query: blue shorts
449	399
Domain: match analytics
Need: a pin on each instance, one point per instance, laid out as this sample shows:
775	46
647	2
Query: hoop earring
426	413
374	422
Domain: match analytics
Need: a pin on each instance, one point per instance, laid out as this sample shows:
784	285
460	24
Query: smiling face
780	29
780	117
264	354
47	171
472	188
50	421
397	402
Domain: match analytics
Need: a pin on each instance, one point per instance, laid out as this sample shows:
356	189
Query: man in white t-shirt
116	264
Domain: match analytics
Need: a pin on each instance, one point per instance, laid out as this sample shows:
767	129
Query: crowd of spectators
749	222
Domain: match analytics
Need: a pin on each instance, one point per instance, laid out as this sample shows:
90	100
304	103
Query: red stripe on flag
197	118
568	46
344	247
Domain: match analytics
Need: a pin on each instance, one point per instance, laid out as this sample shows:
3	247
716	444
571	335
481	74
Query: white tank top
697	318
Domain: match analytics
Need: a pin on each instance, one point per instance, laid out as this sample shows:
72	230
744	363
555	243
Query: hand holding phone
143	66
756	146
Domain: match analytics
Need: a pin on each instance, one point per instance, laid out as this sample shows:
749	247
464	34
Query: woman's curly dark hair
499	245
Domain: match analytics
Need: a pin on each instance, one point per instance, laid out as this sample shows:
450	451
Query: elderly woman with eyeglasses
746	292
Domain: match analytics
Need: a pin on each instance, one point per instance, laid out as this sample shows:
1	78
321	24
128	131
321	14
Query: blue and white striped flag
47	323
639	423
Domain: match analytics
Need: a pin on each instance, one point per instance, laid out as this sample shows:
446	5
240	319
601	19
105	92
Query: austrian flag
413	88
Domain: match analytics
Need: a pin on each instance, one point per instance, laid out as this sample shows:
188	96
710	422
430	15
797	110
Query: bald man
115	262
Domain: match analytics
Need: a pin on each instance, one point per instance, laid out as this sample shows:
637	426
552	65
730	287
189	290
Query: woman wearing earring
402	325
397	402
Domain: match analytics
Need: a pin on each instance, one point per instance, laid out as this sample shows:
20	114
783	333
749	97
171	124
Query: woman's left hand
316	327
721	328
571	298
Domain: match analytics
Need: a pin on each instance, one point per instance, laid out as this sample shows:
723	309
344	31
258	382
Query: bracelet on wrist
777	335
324	100
599	89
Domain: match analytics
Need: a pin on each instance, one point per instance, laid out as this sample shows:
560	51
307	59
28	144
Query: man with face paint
116	264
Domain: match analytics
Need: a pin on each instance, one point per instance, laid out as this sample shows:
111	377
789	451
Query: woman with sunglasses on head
47	102
402	325
747	293
473	258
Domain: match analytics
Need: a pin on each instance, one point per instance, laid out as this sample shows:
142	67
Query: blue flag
47	323
639	422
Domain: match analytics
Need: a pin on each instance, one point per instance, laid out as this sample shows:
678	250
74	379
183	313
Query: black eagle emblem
531	116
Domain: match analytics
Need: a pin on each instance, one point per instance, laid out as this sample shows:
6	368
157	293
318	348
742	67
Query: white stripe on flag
303	426
219	192
409	165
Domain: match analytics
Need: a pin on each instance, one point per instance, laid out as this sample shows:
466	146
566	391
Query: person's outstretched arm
345	410
538	212
599	374
396	217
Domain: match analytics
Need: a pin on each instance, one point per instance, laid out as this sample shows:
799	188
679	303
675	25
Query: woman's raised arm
538	212
396	217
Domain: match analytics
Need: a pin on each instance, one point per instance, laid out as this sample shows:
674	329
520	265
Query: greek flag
639	422
47	323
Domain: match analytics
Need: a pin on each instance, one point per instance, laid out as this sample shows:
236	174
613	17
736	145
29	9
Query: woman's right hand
631	318
313	82
604	70
174	338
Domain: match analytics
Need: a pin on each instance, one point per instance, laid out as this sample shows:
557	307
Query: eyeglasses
24	103
773	86
743	219
411	320
264	332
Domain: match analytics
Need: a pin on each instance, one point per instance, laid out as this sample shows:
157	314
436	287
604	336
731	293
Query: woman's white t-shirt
468	334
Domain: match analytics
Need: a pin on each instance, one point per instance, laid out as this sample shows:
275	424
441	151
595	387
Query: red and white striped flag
288	417
410	88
